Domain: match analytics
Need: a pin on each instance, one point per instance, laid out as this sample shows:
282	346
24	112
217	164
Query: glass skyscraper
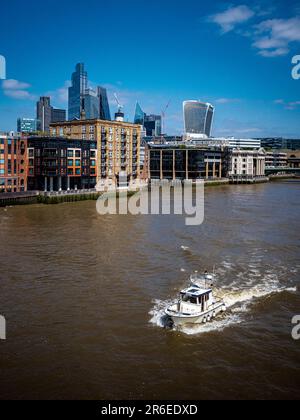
104	111
198	118
151	123
139	117
85	101
90	104
77	92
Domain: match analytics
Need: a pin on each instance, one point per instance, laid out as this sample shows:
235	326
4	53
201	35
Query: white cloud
271	37
223	101
14	84
18	94
232	17
60	95
290	105
17	90
274	36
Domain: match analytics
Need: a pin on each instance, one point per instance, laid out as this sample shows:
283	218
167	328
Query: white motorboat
197	304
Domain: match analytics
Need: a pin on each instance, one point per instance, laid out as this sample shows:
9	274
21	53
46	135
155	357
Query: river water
83	296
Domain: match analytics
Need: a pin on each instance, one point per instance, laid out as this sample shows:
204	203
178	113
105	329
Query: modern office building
139	116
13	164
27	125
90	104
104	111
58	115
153	125
234	143
247	164
43	113
198	119
276	160
56	164
118	145
84	101
280	143
46	114
77	91
187	162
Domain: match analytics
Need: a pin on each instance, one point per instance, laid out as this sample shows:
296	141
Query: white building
247	164
233	143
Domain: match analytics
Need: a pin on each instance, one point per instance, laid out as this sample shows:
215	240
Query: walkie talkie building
198	118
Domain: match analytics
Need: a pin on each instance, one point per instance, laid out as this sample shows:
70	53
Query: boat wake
238	299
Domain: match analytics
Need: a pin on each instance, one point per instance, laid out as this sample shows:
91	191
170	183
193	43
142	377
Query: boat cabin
195	296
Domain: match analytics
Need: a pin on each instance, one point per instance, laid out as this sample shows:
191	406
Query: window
78	172
93	163
77	154
70	162
70	153
93	153
77	162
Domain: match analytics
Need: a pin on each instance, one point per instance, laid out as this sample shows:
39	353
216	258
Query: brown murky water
83	297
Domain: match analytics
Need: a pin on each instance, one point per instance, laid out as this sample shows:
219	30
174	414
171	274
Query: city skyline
243	67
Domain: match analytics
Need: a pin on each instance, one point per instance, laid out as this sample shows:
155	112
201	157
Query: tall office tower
43	113
153	125
46	114
104	111
77	91
198	118
90	104
139	117
58	115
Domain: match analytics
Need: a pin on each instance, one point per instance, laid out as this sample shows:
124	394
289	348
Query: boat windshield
189	299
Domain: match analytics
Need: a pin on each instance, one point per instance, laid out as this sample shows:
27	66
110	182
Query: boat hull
180	319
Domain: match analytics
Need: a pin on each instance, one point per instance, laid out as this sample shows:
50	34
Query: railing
69	192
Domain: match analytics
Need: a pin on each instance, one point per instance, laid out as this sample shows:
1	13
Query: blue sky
236	55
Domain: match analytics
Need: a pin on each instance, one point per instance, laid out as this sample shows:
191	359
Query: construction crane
120	107
163	116
119	116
